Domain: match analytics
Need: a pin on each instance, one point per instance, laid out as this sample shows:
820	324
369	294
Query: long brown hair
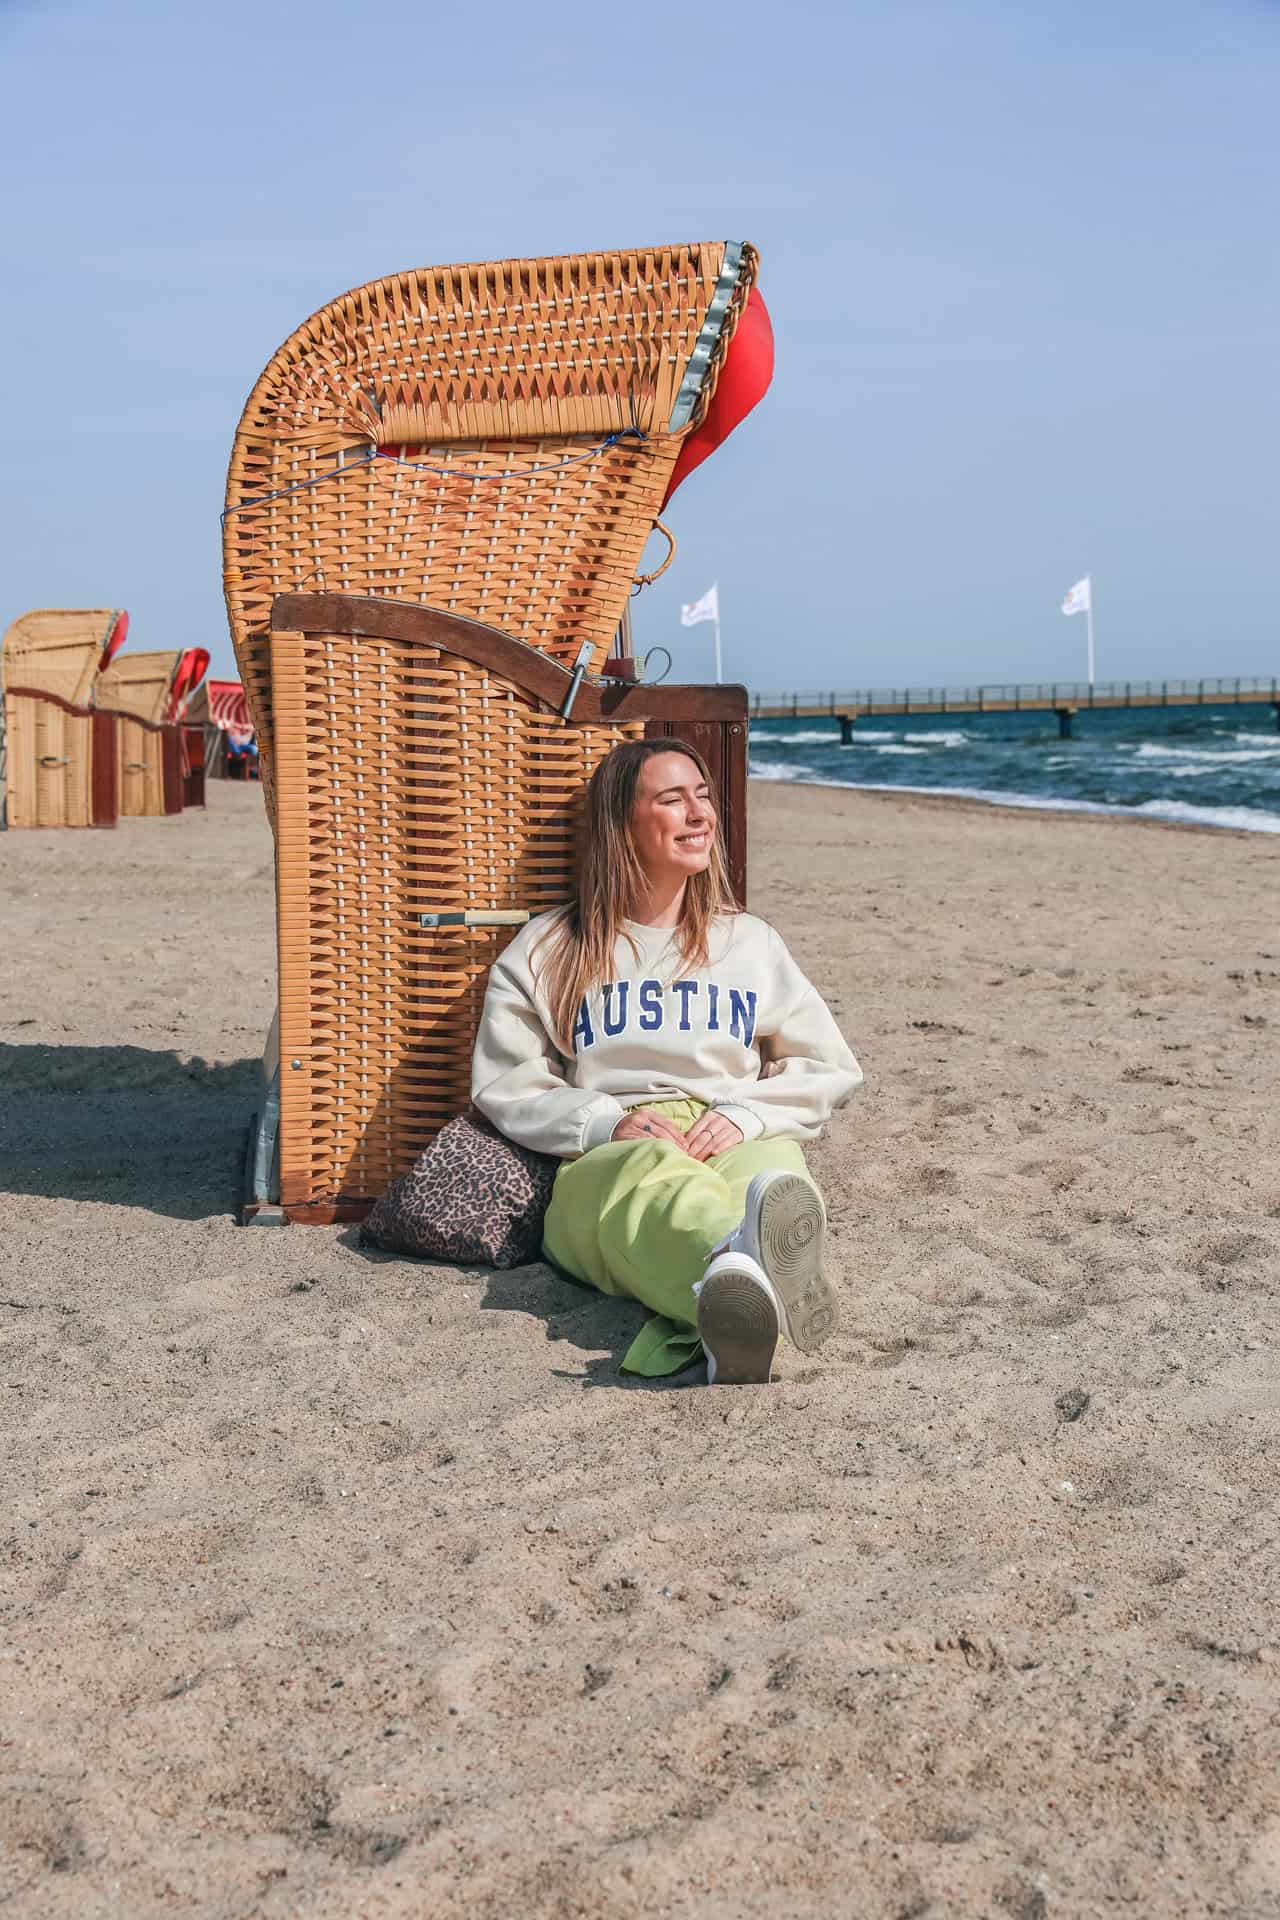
611	880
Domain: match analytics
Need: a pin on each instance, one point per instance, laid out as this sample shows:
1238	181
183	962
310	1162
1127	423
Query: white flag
708	608
1077	601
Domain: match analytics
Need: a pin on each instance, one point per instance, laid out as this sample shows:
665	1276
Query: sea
1218	766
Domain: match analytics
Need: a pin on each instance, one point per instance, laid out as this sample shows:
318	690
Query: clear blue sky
1021	261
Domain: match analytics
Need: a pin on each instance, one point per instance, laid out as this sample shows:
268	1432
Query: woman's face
673	822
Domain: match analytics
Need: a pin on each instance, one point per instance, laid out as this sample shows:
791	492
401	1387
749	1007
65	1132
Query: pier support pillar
847	719
1065	717
1276	709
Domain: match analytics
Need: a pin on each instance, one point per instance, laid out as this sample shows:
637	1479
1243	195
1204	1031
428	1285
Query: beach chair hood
494	439
192	666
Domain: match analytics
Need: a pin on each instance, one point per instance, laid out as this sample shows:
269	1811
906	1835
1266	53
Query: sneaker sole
737	1322
791	1228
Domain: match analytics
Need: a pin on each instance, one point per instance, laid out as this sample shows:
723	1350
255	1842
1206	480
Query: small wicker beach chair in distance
136	687
486	447
60	754
220	708
188	676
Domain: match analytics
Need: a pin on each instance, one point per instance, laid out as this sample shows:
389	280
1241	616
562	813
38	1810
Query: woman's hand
711	1133
643	1123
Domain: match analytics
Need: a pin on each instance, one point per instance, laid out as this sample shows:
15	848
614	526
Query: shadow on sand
574	1315
125	1127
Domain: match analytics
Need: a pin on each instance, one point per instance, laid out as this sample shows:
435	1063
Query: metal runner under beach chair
60	752
486	447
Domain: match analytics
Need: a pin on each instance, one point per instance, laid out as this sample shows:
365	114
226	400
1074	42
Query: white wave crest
899	749
772	770
940	737
828	737
1217	755
1250	819
1242	819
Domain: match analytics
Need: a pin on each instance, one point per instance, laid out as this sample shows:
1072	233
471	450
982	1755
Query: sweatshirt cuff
602	1116
748	1122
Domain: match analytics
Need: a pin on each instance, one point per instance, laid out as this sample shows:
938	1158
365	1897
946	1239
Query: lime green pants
639	1218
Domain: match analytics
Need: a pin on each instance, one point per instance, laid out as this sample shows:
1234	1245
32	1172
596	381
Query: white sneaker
782	1232
738	1321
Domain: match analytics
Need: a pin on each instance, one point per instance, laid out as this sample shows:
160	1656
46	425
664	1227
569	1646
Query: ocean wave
899	749
1149	751
1264	778
829	737
1247	819
1250	819
771	770
940	737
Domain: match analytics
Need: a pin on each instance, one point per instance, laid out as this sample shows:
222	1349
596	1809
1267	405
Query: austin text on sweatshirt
747	1034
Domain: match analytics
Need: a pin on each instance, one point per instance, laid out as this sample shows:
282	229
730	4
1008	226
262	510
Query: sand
339	1585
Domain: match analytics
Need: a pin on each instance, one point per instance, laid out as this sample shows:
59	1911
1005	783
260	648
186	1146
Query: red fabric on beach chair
115	640
190	671
744	381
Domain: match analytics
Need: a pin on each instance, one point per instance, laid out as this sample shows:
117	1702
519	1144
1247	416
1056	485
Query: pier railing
998	697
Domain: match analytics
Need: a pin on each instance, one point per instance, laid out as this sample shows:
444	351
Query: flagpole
719	675
1090	610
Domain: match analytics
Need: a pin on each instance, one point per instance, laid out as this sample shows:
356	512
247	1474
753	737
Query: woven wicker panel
494	439
140	764
58	649
49	771
407	780
137	683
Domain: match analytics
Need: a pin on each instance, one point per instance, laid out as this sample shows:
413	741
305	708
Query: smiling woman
664	1044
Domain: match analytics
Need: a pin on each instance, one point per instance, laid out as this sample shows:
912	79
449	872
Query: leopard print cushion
474	1198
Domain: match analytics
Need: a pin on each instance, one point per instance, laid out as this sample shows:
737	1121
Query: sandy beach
337	1585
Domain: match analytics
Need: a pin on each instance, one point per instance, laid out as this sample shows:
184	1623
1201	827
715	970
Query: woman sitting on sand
666	1046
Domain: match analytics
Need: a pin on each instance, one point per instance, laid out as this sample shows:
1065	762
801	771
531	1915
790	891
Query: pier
1063	698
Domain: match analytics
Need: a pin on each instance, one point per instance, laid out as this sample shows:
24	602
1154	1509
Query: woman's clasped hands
710	1134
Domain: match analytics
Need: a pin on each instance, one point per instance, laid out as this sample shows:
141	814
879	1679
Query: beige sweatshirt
746	1034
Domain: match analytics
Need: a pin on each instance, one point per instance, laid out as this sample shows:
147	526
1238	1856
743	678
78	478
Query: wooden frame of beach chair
136	687
491	443
60	755
428	787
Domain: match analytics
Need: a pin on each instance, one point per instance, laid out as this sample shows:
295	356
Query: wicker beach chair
188	677
463	466
60	753
427	802
138	687
221	710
